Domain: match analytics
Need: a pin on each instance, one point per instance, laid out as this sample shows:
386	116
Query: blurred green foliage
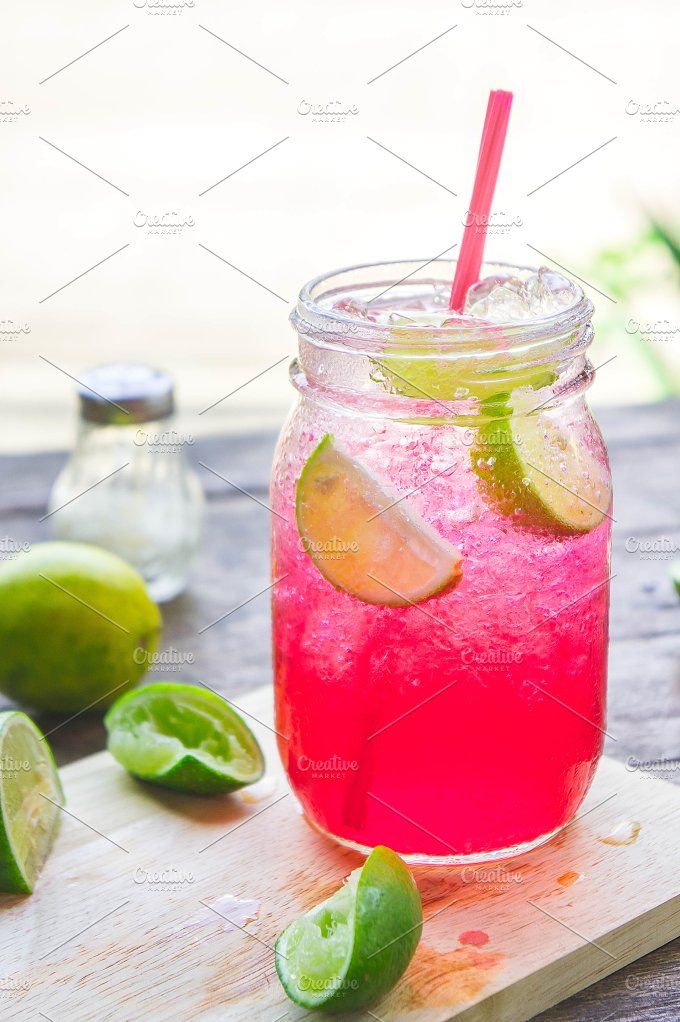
635	275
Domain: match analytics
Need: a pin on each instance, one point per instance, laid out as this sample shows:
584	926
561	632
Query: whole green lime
77	627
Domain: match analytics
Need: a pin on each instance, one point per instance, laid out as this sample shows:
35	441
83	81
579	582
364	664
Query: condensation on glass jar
128	485
461	723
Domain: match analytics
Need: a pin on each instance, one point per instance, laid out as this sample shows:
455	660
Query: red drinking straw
488	165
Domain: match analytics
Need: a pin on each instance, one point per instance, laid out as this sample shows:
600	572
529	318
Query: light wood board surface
124	923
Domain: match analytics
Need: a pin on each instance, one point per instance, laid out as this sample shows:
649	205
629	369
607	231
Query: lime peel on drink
185	738
350	950
30	800
364	540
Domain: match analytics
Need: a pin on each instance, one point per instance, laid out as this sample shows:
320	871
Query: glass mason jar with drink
441	537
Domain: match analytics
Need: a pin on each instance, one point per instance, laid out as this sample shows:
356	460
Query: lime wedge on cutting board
28	819
364	542
541	473
351	949
185	738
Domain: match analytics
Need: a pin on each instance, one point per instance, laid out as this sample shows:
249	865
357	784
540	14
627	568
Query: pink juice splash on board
471	722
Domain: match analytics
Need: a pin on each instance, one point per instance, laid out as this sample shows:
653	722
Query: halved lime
532	468
351	949
185	738
28	819
364	541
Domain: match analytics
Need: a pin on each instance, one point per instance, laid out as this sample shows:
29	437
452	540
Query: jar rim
318	321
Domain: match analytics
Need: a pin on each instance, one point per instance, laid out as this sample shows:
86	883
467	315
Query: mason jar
128	485
441	520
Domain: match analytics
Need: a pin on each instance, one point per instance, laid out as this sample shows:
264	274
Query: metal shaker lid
125	393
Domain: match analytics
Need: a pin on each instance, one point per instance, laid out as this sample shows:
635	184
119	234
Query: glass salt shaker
128	485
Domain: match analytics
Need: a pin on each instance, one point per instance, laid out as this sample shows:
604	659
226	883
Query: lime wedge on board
28	819
185	738
362	541
350	950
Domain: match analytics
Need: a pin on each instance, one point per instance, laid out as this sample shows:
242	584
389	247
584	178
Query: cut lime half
364	540
532	468
185	738
29	789
350	950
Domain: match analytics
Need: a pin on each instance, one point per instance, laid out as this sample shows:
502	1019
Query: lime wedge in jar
418	375
365	541
542	474
416	369
350	950
185	738
30	800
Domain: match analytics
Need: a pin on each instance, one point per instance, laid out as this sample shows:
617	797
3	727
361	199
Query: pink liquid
470	723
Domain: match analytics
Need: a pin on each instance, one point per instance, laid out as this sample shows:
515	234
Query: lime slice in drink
427	377
534	470
350	950
28	819
185	738
362	540
416	369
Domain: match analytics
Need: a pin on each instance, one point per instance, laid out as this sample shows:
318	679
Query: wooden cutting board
127	922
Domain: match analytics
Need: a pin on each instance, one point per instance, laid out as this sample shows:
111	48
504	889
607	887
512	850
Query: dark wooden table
234	655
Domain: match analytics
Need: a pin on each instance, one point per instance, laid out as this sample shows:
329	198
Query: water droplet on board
569	878
259	791
474	938
238	911
625	833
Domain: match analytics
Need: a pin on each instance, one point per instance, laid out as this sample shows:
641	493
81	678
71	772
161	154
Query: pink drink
467	725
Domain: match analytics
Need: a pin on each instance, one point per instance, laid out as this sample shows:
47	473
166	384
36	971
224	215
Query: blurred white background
163	110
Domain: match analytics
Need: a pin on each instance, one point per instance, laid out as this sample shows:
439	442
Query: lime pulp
183	737
350	950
